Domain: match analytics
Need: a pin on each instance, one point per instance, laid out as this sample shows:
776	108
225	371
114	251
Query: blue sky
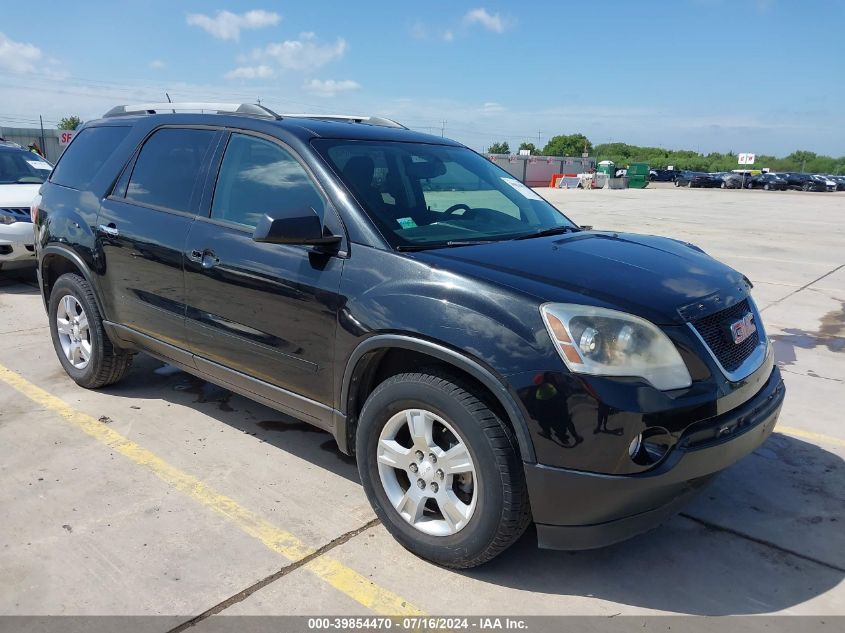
709	75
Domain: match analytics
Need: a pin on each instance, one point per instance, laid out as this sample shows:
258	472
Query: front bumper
580	510
17	244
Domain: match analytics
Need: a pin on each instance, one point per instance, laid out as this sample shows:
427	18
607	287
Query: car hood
17	195
660	279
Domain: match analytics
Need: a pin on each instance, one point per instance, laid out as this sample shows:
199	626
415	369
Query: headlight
604	342
7	219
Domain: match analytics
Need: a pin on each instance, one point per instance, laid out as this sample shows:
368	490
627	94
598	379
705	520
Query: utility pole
443	129
259	100
538	140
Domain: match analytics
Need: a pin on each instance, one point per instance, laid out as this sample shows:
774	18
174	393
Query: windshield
23	168
423	195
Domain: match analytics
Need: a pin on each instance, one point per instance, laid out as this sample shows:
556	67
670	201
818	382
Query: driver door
263	311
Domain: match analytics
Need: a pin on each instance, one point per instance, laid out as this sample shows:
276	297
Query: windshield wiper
449	244
555	230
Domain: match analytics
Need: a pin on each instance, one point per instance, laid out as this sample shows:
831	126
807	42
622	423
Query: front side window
258	177
422	195
167	168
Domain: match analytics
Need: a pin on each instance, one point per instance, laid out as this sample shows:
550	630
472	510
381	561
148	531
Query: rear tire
413	496
82	345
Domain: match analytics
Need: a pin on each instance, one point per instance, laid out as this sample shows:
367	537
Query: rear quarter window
88	152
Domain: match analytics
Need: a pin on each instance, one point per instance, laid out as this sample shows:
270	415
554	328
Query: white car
21	175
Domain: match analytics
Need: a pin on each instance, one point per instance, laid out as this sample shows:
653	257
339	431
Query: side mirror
303	228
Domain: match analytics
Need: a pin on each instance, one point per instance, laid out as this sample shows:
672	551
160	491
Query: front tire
441	469
82	345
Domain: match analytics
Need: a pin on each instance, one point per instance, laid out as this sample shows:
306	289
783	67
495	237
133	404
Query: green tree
530	147
499	148
70	122
567	145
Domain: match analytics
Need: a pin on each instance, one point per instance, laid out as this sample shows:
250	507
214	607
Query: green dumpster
607	167
637	176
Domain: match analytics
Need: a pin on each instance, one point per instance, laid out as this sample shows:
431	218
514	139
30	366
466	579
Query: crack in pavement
798	373
284	571
804	287
714	526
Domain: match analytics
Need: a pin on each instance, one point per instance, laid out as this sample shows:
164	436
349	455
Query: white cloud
18	57
420	31
330	87
226	25
250	72
490	21
491	107
157	64
303	54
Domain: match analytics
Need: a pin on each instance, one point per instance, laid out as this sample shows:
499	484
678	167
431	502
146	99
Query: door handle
109	229
209	260
205	258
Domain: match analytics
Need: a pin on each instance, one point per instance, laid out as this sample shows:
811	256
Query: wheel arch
363	369
55	261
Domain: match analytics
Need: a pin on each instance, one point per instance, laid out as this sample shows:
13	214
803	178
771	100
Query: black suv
487	361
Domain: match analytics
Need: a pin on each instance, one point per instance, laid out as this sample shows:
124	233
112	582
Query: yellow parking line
809	435
333	572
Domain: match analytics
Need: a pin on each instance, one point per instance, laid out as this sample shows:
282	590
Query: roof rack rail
350	118
249	109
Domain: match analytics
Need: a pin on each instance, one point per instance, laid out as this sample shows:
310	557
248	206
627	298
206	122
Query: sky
763	76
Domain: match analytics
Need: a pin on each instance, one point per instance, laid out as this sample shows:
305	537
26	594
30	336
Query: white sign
746	159
40	164
525	152
66	137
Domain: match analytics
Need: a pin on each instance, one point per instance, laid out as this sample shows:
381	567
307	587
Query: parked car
840	182
697	179
805	182
731	180
768	182
827	182
662	175
21	174
486	360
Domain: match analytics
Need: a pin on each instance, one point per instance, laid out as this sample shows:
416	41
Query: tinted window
22	168
259	177
86	154
167	167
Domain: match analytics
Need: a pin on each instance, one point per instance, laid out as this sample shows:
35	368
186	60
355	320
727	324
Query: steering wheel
451	210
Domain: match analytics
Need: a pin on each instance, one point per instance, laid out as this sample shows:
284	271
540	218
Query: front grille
21	214
714	329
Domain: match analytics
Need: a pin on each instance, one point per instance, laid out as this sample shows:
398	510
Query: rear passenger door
142	229
267	311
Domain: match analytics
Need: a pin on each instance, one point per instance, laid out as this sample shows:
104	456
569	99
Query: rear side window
86	155
259	177
167	167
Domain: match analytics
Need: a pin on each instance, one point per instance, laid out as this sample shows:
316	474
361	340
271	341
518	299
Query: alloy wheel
74	334
427	472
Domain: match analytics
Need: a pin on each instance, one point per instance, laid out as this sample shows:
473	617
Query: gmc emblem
742	329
